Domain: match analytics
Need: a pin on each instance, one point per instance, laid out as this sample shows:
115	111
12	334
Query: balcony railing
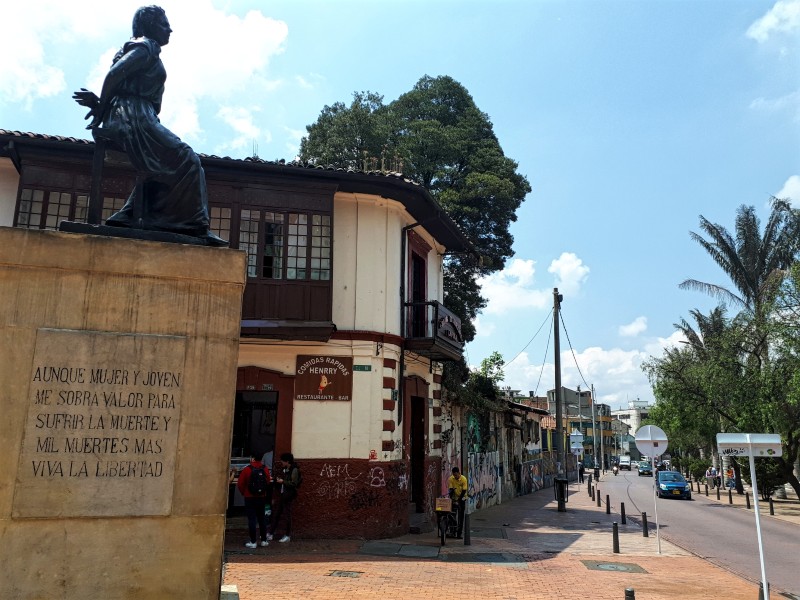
433	331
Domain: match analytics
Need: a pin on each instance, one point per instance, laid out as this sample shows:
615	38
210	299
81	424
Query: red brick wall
356	498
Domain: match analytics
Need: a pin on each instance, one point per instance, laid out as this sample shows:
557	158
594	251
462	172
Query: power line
544	360
530	340
572	350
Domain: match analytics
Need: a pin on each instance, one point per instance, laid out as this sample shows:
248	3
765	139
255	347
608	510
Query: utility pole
560	454
580	414
594	433
602	442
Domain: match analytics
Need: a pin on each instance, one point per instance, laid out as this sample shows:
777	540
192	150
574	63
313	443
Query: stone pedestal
117	382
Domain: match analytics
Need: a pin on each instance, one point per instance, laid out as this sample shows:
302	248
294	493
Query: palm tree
756	264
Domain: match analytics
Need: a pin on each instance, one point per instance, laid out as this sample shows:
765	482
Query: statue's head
151	21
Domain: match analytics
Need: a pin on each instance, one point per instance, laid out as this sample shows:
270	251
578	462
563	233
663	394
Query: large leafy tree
437	136
745	370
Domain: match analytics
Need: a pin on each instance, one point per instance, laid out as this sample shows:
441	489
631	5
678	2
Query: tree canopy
436	136
740	372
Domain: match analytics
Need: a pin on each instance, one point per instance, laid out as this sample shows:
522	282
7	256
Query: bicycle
447	518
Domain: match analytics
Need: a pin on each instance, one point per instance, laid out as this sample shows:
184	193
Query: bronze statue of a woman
171	184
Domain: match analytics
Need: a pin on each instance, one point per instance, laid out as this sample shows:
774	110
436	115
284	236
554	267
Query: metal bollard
630	594
747	499
598	496
590	480
730	496
608	505
771	508
622	512
706	490
592	494
616	539
717	492
645	532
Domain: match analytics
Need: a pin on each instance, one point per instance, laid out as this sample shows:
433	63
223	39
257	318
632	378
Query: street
720	533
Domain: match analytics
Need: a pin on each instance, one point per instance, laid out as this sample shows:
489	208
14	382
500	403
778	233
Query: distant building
637	412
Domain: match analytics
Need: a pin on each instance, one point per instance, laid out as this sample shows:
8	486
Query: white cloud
293	137
783	17
239	119
570	273
791	190
789	102
47	34
617	374
483	329
512	288
639	325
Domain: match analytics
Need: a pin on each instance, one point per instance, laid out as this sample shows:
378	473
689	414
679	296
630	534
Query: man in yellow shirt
458	487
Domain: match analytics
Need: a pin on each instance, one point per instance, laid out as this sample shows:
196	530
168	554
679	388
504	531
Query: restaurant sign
323	378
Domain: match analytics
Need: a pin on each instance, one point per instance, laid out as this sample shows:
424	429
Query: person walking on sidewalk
580	473
458	487
289	480
254	483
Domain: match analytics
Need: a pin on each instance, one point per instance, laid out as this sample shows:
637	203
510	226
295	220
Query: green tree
437	136
747	369
755	263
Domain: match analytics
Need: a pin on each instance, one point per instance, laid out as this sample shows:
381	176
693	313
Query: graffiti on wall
483	472
376	478
337	481
531	477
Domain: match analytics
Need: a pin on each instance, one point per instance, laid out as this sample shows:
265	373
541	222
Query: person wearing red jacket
255	500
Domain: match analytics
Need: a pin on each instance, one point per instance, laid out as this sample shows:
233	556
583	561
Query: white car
625	462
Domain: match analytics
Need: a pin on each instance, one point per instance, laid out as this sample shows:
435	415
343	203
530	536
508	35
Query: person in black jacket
289	480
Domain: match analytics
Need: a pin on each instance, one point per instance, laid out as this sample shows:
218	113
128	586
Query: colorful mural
483	472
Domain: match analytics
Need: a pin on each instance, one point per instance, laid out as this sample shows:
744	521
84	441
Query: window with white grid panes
320	247
297	246
272	265
111	206
58	205
81	208
31	204
248	238
220	223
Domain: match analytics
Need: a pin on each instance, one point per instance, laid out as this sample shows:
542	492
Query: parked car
645	468
671	484
625	462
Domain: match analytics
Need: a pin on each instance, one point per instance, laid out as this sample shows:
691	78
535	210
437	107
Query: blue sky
630	119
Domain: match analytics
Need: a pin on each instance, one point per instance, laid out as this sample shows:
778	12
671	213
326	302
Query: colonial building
343	328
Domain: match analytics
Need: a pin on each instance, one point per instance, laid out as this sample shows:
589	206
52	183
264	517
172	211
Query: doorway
417	451
254	423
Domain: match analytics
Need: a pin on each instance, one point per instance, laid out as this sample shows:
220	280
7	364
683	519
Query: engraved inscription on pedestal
101	432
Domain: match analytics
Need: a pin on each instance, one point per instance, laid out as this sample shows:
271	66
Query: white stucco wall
367	236
331	429
9	182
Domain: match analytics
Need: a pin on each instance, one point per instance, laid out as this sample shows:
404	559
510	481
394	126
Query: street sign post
752	445
652	441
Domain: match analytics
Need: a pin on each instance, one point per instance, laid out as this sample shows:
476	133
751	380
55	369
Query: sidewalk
523	548
787	509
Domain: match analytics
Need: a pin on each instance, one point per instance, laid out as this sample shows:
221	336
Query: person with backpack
290	480
254	484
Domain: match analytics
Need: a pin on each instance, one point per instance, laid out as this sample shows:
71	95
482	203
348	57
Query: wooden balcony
433	331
